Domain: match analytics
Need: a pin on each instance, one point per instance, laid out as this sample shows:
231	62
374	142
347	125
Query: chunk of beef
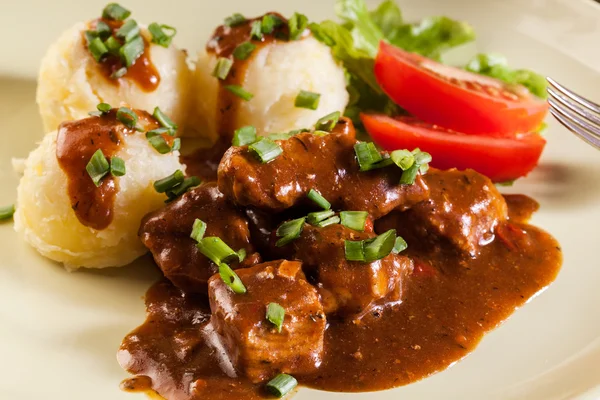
464	209
324	163
348	288
254	345
166	232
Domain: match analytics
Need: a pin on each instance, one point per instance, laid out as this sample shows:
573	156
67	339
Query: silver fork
578	114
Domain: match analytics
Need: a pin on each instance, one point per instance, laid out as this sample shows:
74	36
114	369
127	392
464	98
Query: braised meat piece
326	164
347	288
253	343
464	209
166	232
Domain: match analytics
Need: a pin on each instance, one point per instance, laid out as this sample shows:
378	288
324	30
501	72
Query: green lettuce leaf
496	66
388	18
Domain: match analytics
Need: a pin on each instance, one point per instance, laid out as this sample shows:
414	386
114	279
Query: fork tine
584	113
579	132
589	127
576	98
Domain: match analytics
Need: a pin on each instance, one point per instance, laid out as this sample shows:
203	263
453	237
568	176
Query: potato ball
46	218
71	82
275	75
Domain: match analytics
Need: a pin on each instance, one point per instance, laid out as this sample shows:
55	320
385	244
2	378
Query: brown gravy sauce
76	142
450	303
142	71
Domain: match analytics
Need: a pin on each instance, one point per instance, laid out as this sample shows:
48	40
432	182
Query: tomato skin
501	159
408	79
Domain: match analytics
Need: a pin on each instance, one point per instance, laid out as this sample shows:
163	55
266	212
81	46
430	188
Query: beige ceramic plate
59	331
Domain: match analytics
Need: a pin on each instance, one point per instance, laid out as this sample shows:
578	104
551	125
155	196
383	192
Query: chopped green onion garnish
297	131
328	122
89	36
113	45
320	133
231	279
164	120
400	245
118	73
276	315
314	218
243	136
168	183
506	183
159	143
159	36
7	212
366	155
217	250
128	31
281	385
157	131
408	177
198	230
241	254
176	146
222	68
243	50
289	231
354	250
115	12
266	150
270	22
132	50
256	30
403	159
97	49
103	30
328	221
307	100
380	246
117	166
235	19
97	167
279	136
297	25
423	169
319	199
422	157
127	117
354	219
240	92
103	108
187	184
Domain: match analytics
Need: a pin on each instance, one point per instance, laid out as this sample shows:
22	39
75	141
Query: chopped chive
222	68
270	22
176	146
183	187
318	199
115	12
380	246
366	155
403	159
241	254
164	120
128	31
243	50
314	218
217	250
297	25
103	30
422	157
240	92
256	30
103	108
157	131
231	279
131	51
276	315
328	221
289	231
118	73
243	136
506	183
423	169
354	250
159	143
266	150
328	122
400	245
90	35
355	220
7	212
168	183
159	36
281	385
113	45
117	166
198	230
279	136
97	167
308	100
97	49
408	177
320	133
235	20
127	117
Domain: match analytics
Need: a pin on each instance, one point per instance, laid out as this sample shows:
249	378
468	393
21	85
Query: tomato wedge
501	159
456	99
